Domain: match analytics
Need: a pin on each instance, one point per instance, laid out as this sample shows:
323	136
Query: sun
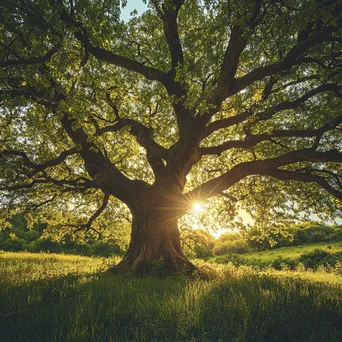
197	208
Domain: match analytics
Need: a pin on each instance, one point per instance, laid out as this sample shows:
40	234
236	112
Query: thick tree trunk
155	236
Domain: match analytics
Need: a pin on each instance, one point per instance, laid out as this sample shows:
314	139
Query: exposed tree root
170	264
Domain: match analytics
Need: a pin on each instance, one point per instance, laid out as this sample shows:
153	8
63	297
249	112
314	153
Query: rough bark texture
155	236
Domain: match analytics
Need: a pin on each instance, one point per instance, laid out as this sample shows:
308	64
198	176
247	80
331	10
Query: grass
46	297
294	252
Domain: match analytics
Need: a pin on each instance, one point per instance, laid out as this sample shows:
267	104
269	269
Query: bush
319	257
47	245
83	249
203	252
284	263
238	246
13	245
105	249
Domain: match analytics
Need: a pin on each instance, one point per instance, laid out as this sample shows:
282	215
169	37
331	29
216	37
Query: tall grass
67	298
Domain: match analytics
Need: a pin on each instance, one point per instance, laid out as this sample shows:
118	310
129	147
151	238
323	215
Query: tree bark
155	236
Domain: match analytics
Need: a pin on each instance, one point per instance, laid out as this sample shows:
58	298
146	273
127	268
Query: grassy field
46	297
295	252
311	256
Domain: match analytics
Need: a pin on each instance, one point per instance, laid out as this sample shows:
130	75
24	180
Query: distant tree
237	101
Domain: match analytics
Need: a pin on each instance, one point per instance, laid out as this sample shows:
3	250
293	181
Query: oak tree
238	101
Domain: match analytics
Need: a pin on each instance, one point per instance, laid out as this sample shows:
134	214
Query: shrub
203	252
236	246
317	258
284	263
234	259
105	249
13	245
47	245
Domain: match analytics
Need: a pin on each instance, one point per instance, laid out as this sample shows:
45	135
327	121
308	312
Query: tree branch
87	226
316	37
40	167
108	177
77	185
227	122
268	113
260	167
309	40
307	178
141	132
81	35
169	17
253	140
155	152
126	63
34	60
35	206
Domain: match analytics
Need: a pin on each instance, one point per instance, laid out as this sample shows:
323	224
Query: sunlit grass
23	267
294	252
47	297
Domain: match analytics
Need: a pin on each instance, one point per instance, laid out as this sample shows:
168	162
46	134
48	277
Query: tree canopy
234	102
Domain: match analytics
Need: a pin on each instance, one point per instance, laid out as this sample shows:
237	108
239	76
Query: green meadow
294	252
50	297
318	256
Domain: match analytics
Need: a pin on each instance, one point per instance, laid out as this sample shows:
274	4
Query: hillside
294	252
310	256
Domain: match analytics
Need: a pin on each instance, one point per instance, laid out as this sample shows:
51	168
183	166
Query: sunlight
197	208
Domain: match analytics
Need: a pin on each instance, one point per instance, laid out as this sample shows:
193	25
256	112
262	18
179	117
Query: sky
132	5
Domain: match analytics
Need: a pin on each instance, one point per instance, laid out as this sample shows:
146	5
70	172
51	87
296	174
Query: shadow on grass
103	307
260	307
98	307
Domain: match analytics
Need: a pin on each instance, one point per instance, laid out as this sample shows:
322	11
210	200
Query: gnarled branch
40	167
261	167
268	113
253	140
307	178
141	132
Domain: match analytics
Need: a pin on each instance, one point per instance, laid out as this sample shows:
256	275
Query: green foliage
237	246
105	249
47	245
79	61
295	258
19	238
202	252
13	245
320	257
293	235
197	243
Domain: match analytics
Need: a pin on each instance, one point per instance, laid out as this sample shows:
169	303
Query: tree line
197	243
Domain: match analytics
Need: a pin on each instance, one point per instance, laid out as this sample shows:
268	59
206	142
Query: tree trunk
155	236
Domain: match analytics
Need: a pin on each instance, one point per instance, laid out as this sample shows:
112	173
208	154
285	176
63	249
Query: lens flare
197	207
